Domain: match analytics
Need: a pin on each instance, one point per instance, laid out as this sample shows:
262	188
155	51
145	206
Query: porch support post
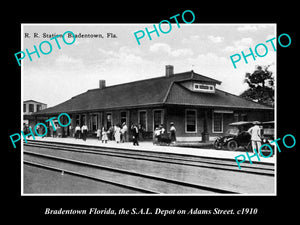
205	134
165	118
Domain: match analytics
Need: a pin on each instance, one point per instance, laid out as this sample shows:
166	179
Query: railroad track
131	178
198	161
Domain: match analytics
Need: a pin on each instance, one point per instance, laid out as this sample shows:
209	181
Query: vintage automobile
267	137
268	130
236	136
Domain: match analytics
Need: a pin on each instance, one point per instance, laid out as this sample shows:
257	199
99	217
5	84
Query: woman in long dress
172	132
117	134
98	134
104	135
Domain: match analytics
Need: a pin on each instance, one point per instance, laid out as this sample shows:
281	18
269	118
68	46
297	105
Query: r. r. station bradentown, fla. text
45	47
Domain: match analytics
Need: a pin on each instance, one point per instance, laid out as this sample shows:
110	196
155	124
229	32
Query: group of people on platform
81	132
52	131
161	136
120	133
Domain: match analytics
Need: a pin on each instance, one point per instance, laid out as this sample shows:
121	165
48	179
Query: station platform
203	150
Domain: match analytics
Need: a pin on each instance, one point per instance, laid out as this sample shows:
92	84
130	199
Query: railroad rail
78	174
48	155
199	161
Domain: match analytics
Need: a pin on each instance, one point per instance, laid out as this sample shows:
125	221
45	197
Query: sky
78	67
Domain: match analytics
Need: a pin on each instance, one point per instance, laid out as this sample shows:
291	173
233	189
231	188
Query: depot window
157	118
203	87
142	119
108	120
93	126
123	117
77	119
217	123
191	121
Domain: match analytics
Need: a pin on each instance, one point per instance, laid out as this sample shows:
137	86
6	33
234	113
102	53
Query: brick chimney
102	84
169	70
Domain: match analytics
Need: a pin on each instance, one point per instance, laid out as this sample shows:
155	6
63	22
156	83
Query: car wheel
218	145
266	151
232	145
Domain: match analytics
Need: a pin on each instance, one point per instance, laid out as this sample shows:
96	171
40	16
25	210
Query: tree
261	86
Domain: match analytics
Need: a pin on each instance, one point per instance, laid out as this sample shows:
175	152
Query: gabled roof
180	95
34	102
154	91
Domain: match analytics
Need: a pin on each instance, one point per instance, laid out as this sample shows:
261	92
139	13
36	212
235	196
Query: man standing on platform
77	131
135	134
124	131
255	132
84	130
172	133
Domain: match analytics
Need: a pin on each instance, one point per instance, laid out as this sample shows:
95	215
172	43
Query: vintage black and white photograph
131	109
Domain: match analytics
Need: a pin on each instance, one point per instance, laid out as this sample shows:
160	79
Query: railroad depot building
199	110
